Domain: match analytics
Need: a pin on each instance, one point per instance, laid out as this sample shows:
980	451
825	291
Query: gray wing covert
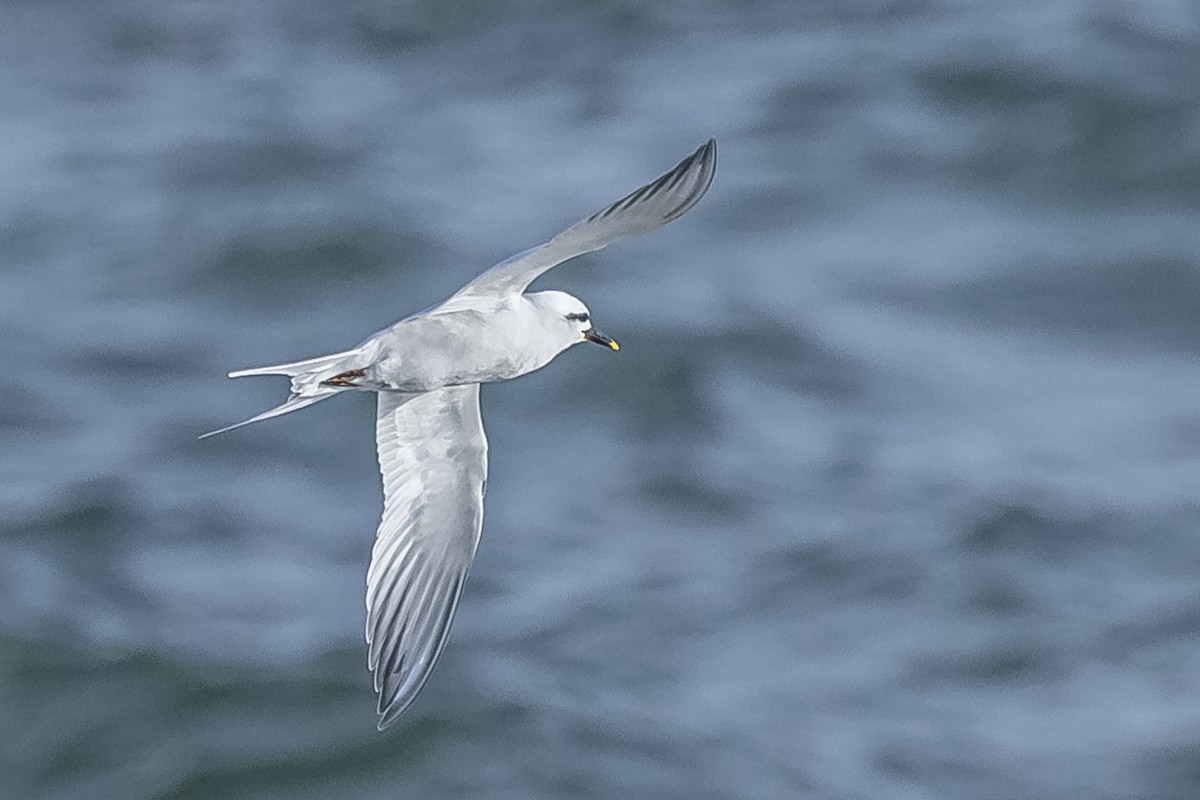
433	458
642	210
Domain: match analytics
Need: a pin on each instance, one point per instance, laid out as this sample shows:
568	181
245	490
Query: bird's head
569	315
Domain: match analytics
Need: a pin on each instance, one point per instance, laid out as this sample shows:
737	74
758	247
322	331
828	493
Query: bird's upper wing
433	456
641	211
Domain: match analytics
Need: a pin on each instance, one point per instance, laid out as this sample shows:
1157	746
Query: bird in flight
426	370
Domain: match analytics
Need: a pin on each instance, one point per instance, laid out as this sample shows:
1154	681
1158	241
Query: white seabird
426	370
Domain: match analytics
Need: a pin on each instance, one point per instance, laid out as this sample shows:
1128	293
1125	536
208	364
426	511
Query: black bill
593	335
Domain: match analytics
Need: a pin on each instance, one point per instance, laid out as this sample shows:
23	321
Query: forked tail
299	368
307	383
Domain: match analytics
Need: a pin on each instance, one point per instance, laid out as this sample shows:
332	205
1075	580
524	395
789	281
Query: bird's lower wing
433	457
642	210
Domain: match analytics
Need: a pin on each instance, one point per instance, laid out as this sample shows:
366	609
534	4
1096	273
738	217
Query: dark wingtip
706	151
705	154
702	162
709	151
706	157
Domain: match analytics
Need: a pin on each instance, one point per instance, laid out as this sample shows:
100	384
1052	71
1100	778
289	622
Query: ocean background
890	494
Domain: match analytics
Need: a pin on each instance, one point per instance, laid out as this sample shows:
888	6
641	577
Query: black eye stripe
577	317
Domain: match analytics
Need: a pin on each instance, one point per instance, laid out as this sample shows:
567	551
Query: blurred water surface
890	492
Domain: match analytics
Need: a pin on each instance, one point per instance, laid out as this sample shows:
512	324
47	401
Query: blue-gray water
890	493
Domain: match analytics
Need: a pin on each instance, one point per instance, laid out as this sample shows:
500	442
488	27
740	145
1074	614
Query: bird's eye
578	317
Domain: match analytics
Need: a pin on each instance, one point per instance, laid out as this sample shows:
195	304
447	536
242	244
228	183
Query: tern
426	370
